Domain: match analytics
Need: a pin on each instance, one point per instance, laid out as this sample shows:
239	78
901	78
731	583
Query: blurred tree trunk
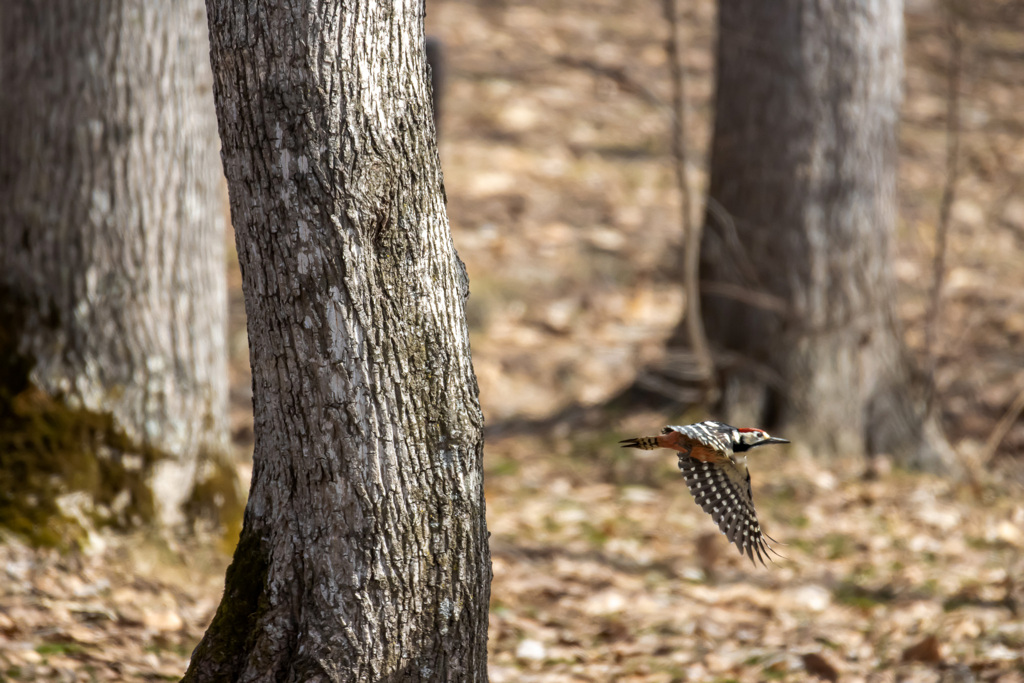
797	296
112	281
363	555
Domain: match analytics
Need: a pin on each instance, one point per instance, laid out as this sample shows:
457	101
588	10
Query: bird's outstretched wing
710	434
722	489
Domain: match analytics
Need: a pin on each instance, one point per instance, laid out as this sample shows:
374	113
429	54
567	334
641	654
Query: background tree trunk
112	268
364	549
797	293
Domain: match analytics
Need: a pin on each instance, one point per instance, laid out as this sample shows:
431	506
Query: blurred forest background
555	141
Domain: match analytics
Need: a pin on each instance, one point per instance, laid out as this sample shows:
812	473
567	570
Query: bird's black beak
775	439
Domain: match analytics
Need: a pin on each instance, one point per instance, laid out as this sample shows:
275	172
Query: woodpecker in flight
713	460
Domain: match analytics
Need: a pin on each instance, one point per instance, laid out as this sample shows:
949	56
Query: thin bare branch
618	74
953	74
691	229
743	263
1003	427
751	297
677	69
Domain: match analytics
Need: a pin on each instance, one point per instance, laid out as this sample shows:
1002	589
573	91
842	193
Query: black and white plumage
713	461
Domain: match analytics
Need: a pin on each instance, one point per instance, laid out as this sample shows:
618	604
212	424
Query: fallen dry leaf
162	620
925	651
817	665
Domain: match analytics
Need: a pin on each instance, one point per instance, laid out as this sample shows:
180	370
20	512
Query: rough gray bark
112	222
363	555
797	293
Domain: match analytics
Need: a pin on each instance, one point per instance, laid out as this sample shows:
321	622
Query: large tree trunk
112	280
363	555
797	293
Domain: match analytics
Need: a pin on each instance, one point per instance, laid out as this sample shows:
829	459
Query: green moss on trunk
217	498
231	636
50	451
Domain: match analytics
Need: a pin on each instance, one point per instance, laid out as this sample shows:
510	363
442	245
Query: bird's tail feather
647	443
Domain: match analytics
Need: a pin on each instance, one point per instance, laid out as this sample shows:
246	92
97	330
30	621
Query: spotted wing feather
723	491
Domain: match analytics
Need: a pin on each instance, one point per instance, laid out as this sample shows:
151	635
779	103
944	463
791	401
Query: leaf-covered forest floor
562	204
605	570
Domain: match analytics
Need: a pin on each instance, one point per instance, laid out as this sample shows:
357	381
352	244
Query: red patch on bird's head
749	429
